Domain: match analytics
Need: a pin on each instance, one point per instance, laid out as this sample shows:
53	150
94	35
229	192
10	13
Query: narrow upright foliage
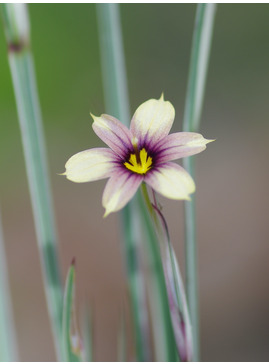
8	347
16	24
72	345
117	103
201	43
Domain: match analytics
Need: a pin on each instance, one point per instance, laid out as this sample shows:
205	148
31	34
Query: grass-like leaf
117	104
8	347
72	347
164	339
88	333
201	43
17	26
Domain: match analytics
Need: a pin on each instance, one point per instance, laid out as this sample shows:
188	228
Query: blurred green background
232	174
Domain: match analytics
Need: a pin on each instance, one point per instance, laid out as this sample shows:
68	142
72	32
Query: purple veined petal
179	145
119	190
91	165
152	121
171	180
116	135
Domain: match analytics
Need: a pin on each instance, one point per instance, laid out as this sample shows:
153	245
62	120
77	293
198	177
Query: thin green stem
23	76
174	283
162	325
113	62
88	333
8	349
117	104
134	216
192	114
147	201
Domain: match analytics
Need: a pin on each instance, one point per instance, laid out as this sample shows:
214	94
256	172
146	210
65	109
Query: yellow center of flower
139	163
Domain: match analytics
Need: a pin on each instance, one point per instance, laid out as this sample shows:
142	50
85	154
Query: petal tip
162	97
210	140
93	116
107	212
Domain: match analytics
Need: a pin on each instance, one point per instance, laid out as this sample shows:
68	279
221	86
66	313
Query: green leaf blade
68	306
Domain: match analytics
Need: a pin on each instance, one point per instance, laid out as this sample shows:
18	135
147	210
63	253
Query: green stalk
113	62
115	85
87	333
72	349
8	347
192	114
162	325
117	104
22	70
174	283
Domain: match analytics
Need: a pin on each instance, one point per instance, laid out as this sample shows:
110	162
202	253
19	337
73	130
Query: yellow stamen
142	166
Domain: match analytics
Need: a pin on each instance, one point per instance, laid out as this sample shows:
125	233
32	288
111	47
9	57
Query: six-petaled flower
141	154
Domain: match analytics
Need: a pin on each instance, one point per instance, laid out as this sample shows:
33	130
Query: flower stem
113	61
16	23
193	106
117	104
161	318
174	283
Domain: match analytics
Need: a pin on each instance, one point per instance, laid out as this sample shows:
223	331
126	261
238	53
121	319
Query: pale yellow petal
90	165
171	181
152	120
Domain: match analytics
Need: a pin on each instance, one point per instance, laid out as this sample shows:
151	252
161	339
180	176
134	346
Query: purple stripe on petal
179	145
116	135
119	190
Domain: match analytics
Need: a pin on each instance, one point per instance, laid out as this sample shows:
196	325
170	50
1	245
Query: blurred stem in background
201	44
17	26
8	346
117	104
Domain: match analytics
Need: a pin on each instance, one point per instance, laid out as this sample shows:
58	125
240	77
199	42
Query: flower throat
139	162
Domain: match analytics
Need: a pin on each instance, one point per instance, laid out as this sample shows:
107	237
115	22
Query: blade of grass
8	350
115	85
161	315
117	104
193	106
174	284
113	62
22	71
68	312
88	334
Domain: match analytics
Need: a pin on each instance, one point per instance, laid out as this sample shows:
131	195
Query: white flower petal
91	165
171	180
152	121
119	190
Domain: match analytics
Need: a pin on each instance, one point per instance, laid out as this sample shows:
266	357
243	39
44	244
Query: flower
141	154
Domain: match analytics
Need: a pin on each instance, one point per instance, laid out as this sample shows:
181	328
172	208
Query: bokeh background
232	174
